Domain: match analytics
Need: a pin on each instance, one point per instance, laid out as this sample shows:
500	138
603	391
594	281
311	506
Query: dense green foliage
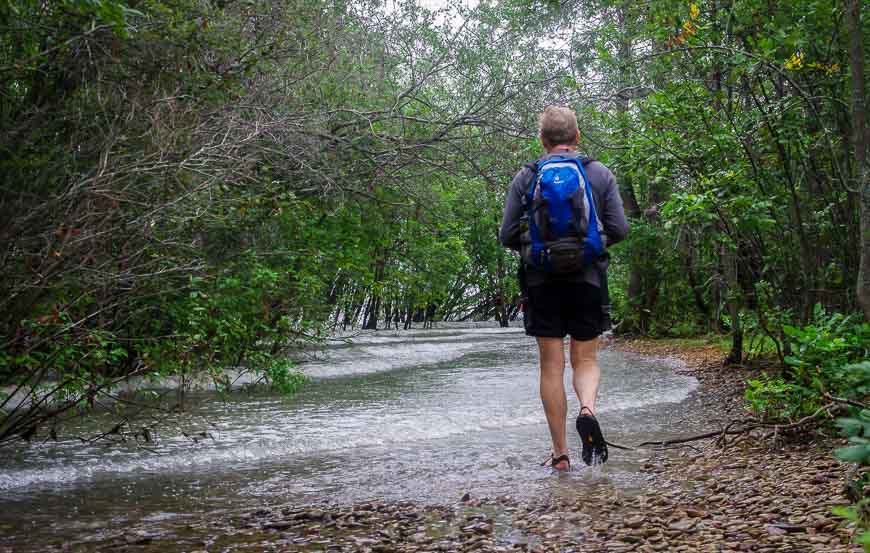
857	429
188	187
195	187
731	135
828	372
828	360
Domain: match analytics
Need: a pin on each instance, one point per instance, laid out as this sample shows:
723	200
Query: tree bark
501	311
690	259
636	289
861	139
373	313
729	263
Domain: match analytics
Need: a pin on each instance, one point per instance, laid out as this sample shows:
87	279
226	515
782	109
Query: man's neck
562	148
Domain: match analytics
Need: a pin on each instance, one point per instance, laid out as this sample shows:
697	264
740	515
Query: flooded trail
424	416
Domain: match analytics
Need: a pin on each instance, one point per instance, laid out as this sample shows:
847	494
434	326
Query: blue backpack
564	232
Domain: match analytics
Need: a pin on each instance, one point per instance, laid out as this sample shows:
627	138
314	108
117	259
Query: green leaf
850	427
854	454
846	512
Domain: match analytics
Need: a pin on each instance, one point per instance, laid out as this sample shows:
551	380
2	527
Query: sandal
591	438
553	461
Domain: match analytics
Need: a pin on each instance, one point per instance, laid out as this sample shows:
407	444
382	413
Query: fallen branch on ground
740	427
845	401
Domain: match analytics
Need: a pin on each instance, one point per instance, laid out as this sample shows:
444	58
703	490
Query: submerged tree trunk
373	313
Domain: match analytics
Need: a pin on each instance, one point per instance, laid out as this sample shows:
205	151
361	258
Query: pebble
634	522
683	525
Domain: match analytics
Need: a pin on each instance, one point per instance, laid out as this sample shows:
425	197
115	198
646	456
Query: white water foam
383	431
375	429
378	357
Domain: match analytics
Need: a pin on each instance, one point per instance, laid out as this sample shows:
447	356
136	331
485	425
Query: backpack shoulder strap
533	167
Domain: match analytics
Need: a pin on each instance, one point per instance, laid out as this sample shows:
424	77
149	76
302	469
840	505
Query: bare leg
587	373
552	355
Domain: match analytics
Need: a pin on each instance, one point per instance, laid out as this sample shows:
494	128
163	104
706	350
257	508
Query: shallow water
422	415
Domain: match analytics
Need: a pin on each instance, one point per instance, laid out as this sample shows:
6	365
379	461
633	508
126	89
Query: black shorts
556	309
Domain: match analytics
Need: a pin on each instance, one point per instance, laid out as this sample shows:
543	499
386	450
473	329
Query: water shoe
591	438
559	464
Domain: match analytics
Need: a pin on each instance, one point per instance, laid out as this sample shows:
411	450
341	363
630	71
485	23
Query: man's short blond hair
558	125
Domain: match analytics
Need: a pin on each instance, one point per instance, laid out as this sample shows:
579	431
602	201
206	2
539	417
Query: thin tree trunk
388	314
690	258
729	262
372	312
501	307
626	190
861	140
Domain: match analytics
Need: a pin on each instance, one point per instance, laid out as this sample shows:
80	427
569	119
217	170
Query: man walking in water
565	302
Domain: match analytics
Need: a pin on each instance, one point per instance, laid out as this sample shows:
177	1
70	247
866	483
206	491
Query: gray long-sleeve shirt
608	205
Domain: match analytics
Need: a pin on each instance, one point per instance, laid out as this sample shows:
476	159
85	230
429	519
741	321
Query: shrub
773	397
823	354
822	364
857	429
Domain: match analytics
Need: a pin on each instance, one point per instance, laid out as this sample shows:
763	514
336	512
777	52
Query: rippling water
420	415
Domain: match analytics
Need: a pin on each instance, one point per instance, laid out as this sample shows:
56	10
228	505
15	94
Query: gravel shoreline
746	496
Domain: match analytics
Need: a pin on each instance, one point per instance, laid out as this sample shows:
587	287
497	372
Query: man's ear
577	138
544	143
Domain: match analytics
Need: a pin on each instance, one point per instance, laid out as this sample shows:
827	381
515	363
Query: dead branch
742	427
845	401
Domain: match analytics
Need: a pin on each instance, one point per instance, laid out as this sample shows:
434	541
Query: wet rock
683	525
138	537
790	528
279	525
635	522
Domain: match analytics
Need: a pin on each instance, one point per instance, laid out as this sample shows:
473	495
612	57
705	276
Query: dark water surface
420	415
